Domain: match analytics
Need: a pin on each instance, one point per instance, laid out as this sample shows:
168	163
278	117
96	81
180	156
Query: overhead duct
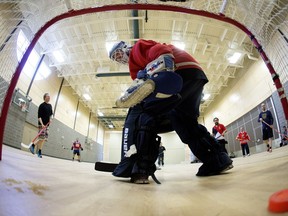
135	22
112	74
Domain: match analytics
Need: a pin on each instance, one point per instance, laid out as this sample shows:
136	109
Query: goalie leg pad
147	145
202	144
199	140
125	166
139	90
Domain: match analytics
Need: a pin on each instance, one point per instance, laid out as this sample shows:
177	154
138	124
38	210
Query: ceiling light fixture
58	56
235	57
234	98
100	113
87	96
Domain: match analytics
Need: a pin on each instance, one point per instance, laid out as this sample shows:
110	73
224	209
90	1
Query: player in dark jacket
267	120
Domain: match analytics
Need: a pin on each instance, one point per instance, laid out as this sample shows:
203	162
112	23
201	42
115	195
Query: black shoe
219	164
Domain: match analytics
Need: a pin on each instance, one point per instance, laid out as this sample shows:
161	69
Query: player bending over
164	96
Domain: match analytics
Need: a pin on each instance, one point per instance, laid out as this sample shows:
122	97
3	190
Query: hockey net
267	20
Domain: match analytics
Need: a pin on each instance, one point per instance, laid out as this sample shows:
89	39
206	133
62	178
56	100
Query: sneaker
139	179
32	149
269	149
39	154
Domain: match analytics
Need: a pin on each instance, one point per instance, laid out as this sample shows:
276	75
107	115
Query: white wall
175	149
252	88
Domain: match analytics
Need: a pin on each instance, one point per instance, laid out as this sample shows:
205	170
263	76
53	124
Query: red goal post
223	11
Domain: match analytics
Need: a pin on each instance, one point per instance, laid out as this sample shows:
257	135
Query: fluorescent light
87	96
206	96
234	98
111	125
100	113
58	56
235	57
178	44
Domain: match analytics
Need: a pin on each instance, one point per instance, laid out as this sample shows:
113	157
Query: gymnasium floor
49	186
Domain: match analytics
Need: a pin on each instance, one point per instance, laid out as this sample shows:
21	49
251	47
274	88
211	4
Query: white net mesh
266	19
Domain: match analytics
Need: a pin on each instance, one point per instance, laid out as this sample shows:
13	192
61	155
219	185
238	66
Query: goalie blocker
156	81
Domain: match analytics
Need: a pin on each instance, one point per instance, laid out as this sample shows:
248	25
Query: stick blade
26	146
105	167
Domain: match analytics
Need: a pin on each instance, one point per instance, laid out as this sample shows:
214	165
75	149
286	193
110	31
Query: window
34	58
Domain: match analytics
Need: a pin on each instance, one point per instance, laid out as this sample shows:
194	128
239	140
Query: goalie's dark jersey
145	51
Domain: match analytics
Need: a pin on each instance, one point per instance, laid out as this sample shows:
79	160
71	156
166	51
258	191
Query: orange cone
278	202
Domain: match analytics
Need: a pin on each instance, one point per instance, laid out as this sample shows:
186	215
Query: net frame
238	13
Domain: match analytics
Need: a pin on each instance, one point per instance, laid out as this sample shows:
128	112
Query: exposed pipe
58	95
112	74
135	22
223	7
251	57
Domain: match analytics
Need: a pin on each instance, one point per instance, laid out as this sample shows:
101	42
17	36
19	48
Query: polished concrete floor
32	186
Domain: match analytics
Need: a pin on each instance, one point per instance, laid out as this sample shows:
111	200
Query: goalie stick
110	167
105	167
35	138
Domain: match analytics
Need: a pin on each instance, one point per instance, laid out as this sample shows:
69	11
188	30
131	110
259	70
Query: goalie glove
139	90
164	63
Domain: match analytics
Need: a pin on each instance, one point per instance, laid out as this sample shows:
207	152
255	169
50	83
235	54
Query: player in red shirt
243	137
76	147
219	131
164	96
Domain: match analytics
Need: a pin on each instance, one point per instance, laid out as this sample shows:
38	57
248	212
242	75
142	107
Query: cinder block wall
22	127
14	126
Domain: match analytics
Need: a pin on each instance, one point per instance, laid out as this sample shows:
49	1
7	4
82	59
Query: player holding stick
267	124
243	138
45	116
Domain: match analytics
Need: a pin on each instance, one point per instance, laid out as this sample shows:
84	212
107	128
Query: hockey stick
256	141
35	138
285	136
105	167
